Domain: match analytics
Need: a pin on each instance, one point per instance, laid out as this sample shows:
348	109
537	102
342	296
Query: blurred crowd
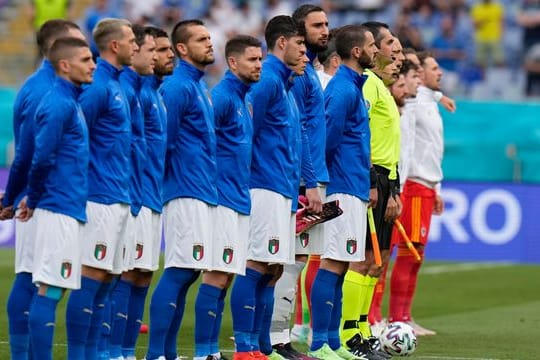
489	48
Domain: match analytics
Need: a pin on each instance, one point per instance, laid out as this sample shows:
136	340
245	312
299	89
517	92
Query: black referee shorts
384	228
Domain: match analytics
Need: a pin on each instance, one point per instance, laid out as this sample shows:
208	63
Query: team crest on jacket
100	251
273	245
304	239
139	251
351	246
228	253
198	252
65	269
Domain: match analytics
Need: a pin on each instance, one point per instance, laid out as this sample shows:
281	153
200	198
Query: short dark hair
423	55
409	50
303	11
140	33
156	32
62	49
52	30
281	25
181	34
239	43
375	28
349	37
407	66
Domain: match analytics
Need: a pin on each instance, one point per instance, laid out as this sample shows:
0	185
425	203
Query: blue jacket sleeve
261	94
49	122
18	174
93	102
175	102
336	104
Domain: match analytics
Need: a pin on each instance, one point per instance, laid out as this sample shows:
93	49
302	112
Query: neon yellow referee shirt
383	124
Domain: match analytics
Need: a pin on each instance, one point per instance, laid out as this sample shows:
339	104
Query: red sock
413	276
375	313
299	312
399	283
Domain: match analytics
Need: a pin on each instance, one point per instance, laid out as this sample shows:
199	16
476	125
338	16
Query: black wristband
372	178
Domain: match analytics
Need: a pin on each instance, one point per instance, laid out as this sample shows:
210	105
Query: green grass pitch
480	311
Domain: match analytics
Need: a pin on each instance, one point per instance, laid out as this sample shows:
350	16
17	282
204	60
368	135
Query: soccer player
189	191
147	246
234	131
362	276
58	189
108	118
139	224
421	193
309	97
330	61
28	97
275	177
348	160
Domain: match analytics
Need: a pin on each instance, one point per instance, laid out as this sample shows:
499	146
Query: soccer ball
398	338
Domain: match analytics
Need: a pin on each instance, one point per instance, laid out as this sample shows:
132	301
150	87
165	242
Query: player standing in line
409	72
360	281
108	118
131	80
348	160
58	189
189	189
28	97
275	176
421	193
148	241
234	131
309	98
301	329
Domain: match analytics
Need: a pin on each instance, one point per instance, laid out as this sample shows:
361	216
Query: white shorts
104	235
230	241
148	240
346	234
312	241
57	251
188	225
272	228
25	237
133	229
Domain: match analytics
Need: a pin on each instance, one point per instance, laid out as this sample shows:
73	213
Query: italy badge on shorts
198	251
304	239
273	245
228	253
351	246
65	269
139	251
100	251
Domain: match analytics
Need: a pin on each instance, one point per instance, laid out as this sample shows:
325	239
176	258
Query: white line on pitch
439	269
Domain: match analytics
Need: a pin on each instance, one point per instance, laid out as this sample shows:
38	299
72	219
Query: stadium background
491	163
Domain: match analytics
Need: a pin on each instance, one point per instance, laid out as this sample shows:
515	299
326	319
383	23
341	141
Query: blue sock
97	343
79	310
119	304
214	339
163	306
260	306
264	337
41	322
102	325
135	315
206	308
322	303
243	308
335	319
18	307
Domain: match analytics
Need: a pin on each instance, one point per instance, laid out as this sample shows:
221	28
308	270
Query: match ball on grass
398	339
